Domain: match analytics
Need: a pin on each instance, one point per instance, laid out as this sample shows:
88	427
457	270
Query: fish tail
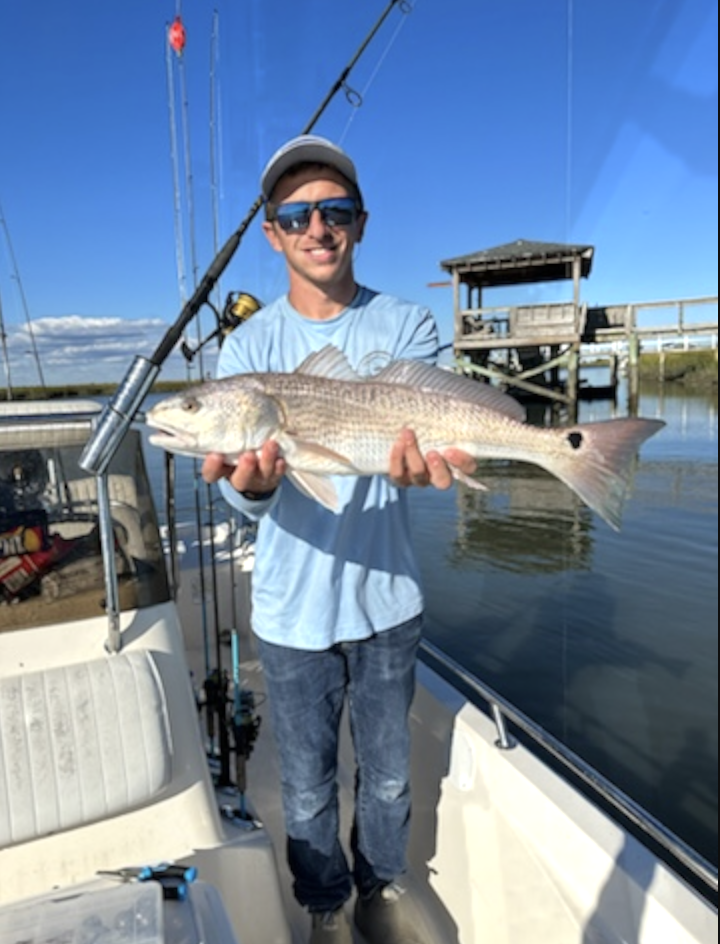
600	463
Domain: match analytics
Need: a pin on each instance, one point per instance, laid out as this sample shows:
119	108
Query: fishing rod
119	413
23	300
176	44
6	358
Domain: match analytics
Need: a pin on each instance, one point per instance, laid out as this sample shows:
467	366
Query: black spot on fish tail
599	465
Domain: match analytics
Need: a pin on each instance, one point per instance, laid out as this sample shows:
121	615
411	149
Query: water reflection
526	522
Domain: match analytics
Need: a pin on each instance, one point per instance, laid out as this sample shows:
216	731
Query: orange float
176	35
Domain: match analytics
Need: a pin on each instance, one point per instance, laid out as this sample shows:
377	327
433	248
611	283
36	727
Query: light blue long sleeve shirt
322	577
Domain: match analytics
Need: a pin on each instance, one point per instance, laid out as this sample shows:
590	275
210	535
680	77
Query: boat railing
502	711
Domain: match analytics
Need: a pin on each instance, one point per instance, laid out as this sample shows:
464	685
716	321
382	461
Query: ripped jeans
307	691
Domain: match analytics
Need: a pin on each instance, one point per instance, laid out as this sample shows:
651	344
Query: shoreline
696	370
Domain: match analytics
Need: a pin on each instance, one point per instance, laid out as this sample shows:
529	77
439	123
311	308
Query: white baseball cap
308	148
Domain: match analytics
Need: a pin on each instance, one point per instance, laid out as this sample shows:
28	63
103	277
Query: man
336	600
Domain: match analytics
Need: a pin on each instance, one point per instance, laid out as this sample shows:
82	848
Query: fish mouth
172	440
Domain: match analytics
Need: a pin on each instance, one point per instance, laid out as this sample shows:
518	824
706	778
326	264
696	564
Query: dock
539	351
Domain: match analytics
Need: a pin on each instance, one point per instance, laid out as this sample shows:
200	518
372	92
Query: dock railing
684	317
540	348
525	325
558	322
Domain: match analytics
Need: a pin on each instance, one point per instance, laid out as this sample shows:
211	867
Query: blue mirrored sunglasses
295	217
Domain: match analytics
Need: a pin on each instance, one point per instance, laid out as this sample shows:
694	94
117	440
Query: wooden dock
538	351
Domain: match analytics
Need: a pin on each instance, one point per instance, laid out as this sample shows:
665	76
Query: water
606	639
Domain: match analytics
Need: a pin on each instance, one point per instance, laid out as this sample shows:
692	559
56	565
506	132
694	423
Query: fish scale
363	420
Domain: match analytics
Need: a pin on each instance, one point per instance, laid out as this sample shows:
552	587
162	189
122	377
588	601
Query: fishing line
356	99
176	43
175	164
244	723
569	124
189	191
215	148
568	198
564	654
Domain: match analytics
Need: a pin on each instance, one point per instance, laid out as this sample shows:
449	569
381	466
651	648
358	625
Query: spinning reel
239	307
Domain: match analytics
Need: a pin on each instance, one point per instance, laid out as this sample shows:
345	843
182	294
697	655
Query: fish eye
190	405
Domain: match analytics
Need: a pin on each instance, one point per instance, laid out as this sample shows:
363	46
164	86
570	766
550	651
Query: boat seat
65	757
80	494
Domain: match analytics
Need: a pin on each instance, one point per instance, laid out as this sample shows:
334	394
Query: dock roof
521	262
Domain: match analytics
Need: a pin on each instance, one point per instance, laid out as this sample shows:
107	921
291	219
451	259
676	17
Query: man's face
321	253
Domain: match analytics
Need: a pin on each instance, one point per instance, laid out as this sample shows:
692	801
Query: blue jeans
307	692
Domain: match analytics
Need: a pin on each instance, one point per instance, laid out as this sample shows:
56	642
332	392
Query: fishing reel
239	307
245	724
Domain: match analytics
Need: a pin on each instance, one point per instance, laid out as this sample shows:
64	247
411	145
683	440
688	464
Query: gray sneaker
381	918
330	927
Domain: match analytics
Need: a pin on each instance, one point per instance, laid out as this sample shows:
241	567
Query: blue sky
480	123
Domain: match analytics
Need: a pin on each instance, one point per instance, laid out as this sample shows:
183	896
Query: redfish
330	421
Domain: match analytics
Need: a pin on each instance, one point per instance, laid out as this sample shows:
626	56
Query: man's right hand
256	472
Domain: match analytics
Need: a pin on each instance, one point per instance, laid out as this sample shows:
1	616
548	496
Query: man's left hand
408	466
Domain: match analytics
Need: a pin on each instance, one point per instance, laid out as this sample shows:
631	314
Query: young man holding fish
337	600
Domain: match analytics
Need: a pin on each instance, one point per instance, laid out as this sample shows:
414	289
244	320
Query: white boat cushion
79	743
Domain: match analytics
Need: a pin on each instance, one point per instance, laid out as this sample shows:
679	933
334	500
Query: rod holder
117	416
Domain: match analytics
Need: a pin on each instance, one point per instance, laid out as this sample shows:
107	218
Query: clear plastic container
126	913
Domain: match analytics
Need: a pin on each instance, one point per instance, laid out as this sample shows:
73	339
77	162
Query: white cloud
78	349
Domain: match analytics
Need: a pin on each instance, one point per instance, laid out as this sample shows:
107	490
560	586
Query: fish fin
600	465
331	363
435	379
328	362
468	480
300	452
318	487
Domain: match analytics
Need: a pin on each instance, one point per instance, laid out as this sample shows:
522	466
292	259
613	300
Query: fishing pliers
174	878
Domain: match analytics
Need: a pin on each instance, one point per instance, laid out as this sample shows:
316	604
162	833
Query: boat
140	807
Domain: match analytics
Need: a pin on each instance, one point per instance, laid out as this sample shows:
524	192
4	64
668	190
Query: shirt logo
372	364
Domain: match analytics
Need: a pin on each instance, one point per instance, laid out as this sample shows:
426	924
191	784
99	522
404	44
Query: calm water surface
606	639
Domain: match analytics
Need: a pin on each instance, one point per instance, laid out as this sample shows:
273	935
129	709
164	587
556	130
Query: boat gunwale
676	853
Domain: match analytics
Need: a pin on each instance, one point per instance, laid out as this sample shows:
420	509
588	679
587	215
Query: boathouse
533	348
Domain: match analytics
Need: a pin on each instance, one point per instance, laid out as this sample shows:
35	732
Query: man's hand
408	466
256	472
